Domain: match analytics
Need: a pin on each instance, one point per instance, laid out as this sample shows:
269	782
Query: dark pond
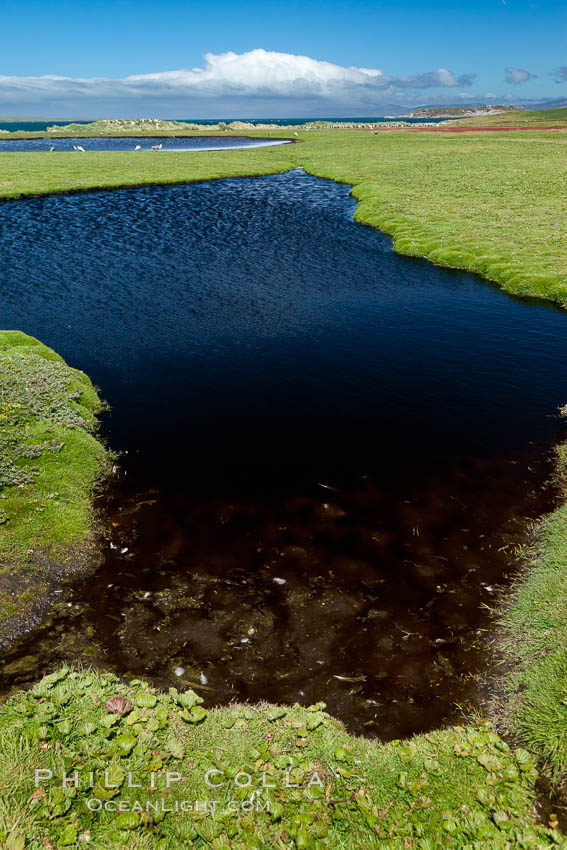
107	143
330	451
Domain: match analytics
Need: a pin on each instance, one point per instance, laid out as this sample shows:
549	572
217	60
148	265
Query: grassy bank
491	203
49	463
535	644
458	788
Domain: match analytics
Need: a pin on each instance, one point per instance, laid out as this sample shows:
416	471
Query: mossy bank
50	462
533	705
90	761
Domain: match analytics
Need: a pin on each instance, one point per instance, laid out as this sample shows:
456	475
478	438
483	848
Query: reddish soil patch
489	129
417	129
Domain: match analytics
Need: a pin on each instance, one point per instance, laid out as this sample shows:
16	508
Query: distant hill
462	111
550	104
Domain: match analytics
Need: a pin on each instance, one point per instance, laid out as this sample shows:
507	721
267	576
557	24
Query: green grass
460	788
50	461
527	118
535	646
491	203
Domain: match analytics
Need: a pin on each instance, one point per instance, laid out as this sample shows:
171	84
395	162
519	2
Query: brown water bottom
378	601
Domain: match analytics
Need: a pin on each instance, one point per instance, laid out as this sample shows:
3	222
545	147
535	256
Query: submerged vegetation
488	202
50	461
87	759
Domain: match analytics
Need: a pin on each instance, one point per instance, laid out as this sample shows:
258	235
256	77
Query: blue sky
438	53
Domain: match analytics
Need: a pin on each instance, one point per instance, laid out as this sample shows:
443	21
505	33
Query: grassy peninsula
50	461
493	203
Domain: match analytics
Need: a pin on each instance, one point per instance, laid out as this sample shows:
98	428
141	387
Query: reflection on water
329	447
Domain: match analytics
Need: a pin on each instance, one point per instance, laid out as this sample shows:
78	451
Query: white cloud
434	79
515	76
559	75
230	79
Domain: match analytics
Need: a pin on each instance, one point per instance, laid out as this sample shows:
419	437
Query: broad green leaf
187	699
126	744
276	810
196	714
175	747
127	820
145	700
276	714
114	776
68	835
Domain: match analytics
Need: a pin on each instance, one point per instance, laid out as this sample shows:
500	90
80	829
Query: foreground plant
90	760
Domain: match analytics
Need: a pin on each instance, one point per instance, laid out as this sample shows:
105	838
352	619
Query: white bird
79	148
157	147
51	149
295	134
138	148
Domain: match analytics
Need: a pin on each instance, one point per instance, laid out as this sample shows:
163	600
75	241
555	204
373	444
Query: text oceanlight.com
252	804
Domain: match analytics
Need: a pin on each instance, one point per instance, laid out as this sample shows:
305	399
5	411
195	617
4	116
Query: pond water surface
143	143
330	452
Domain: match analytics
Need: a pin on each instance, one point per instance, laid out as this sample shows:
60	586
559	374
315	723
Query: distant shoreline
40	125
